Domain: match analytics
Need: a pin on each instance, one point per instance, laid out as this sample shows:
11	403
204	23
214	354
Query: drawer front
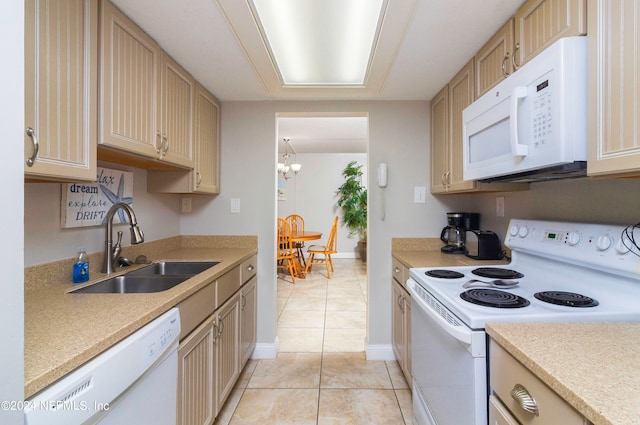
227	285
506	372
399	271
196	308
249	268
498	415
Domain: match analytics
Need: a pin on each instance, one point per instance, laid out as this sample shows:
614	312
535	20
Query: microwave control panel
542	114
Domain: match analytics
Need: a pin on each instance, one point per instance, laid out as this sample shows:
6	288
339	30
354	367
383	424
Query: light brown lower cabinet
227	349
212	355
196	374
248	320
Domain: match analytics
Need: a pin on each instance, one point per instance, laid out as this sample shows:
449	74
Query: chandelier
284	167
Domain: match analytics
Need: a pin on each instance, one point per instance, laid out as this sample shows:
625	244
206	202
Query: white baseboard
266	351
345	255
380	352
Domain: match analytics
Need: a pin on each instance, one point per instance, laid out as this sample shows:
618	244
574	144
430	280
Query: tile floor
321	376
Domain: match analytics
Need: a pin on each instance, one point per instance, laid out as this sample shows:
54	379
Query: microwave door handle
516	148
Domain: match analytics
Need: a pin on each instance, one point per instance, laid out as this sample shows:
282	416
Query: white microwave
533	125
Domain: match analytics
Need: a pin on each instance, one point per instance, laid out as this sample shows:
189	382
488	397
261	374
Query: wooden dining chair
285	248
324	250
297	225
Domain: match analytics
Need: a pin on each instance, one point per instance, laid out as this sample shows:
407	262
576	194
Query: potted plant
352	198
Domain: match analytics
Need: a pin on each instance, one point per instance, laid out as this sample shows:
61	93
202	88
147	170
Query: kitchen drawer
196	308
506	372
227	285
399	271
249	268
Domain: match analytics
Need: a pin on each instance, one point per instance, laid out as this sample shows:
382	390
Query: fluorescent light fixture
320	42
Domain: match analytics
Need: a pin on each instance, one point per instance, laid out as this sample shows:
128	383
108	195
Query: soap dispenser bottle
81	267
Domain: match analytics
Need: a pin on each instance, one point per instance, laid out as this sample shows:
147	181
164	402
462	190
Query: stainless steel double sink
156	277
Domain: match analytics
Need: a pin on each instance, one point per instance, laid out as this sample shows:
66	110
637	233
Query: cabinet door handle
216	332
165	143
159	136
36	146
250	268
396	270
526	401
244	301
221	327
513	59
198	179
504	64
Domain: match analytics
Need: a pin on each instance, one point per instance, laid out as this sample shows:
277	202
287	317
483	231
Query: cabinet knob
526	401
36	147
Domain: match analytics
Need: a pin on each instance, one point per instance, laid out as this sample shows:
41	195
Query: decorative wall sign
87	204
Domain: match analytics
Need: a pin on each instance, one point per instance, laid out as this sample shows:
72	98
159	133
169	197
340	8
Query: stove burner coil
497	273
568	299
444	274
493	298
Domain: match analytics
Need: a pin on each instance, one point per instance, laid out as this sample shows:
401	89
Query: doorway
318	313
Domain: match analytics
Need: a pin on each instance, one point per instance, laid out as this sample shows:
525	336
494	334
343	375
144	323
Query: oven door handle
457	330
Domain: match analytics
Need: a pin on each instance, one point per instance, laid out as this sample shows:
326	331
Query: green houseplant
352	198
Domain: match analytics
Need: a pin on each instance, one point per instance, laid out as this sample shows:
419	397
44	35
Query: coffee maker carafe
454	234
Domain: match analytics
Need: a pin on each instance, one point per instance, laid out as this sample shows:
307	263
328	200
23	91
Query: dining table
296	238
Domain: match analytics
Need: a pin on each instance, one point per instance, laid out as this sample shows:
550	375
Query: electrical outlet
186	205
499	206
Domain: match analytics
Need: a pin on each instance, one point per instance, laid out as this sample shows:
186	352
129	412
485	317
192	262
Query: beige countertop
425	252
63	331
593	366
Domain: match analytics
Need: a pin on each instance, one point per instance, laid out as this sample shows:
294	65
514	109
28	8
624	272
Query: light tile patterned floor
321	376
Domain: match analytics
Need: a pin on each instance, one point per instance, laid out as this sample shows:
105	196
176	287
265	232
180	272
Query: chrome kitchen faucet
111	253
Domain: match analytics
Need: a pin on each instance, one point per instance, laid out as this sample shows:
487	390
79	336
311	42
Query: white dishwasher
134	382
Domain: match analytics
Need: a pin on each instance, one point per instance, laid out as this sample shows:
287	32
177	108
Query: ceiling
423	43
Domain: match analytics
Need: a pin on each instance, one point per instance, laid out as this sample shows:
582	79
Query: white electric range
564	272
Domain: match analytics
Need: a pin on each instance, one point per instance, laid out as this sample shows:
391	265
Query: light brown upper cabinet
494	62
535	26
61	90
539	23
447	141
205	177
147	99
440	164
461	95
614	89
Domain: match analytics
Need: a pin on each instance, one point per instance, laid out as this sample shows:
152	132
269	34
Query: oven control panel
599	246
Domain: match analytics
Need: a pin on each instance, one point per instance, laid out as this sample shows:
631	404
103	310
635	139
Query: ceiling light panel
320	43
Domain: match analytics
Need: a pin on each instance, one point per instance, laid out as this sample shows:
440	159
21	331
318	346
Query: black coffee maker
454	234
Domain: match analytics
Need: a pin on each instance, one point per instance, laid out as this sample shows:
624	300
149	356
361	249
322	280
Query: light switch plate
235	205
419	194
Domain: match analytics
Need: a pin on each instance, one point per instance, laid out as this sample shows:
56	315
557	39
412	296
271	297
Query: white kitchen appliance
533	125
133	382
564	272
